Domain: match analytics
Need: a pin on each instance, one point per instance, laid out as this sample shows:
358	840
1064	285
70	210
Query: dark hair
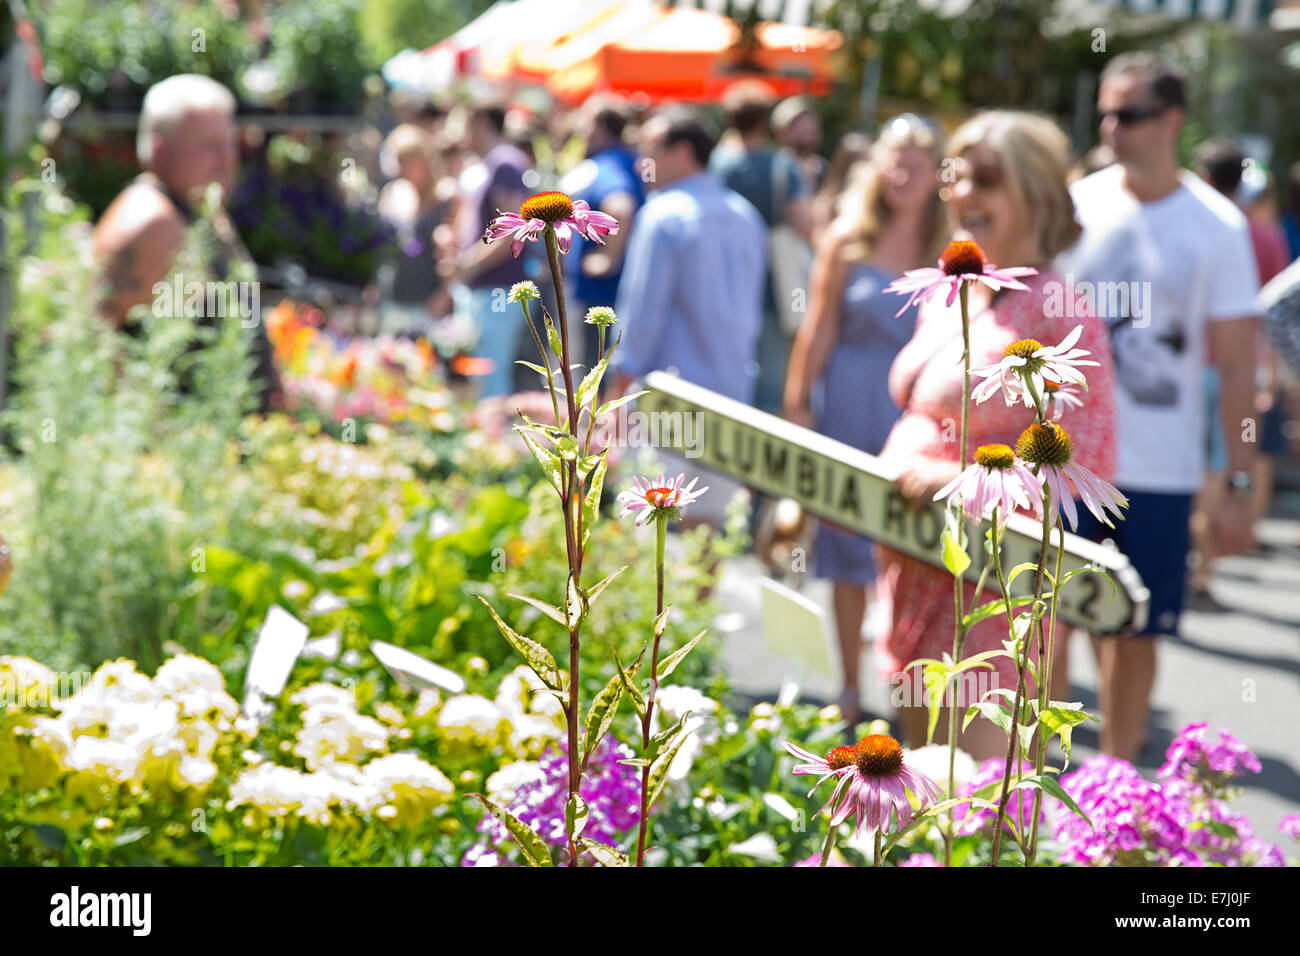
612	121
1223	162
1164	83
493	115
687	126
748	106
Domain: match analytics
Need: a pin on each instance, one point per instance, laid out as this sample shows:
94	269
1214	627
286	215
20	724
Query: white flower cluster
332	730
400	789
671	703
524	715
125	729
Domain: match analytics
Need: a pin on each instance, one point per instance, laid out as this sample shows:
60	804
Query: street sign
855	490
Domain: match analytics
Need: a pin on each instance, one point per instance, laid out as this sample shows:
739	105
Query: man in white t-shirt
1168	263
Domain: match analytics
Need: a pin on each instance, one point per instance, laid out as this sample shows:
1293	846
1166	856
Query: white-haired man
185	141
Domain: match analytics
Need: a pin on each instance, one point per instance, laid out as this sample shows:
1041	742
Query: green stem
541	350
878	854
1044	695
572	521
959	634
826	847
1013	741
661	539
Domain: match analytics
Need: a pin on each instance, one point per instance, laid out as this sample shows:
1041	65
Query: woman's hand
922	479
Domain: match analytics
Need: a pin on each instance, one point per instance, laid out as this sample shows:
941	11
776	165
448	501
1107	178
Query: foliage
390	26
289	209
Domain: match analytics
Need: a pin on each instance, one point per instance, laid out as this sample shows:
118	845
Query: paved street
1237	668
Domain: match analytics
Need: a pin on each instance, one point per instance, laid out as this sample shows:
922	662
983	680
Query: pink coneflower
1057	398
873	782
997	479
659	497
962	261
1030	359
1051	448
567	215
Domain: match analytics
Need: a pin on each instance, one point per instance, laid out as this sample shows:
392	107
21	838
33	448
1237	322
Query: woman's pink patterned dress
926	382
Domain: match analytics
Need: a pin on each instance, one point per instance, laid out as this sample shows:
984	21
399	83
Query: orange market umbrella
692	54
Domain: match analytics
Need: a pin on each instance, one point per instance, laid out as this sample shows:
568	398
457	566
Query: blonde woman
892	221
1010	196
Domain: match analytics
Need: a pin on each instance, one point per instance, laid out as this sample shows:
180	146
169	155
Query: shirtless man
186	140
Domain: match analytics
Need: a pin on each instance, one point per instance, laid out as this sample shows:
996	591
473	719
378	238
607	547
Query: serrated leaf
1020	569
991	709
638	699
595	590
603	709
549	462
614	403
575	816
669	663
534	655
605	855
533	847
659	769
554	613
591	498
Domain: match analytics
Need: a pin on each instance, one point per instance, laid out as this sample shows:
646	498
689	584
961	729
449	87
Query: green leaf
638	699
1019	569
535	367
575	604
534	655
620	402
590	386
998	713
575	816
661	621
595	590
1095	570
661	739
566	446
603	709
1052	785
591	498
553	337
669	663
926	816
955	558
997	606
1061	719
553	613
1224	831
605	855
548	460
935	677
659	769
533	847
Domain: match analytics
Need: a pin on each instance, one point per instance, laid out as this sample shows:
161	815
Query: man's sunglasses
1132	115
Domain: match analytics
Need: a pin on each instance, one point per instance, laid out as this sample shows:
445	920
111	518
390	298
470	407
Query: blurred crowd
753	259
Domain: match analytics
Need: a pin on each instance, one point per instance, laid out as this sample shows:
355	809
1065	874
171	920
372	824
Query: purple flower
1192	757
921	859
611	789
1290	825
1134	822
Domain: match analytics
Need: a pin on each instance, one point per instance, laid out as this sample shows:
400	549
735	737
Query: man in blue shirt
691	295
609	182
